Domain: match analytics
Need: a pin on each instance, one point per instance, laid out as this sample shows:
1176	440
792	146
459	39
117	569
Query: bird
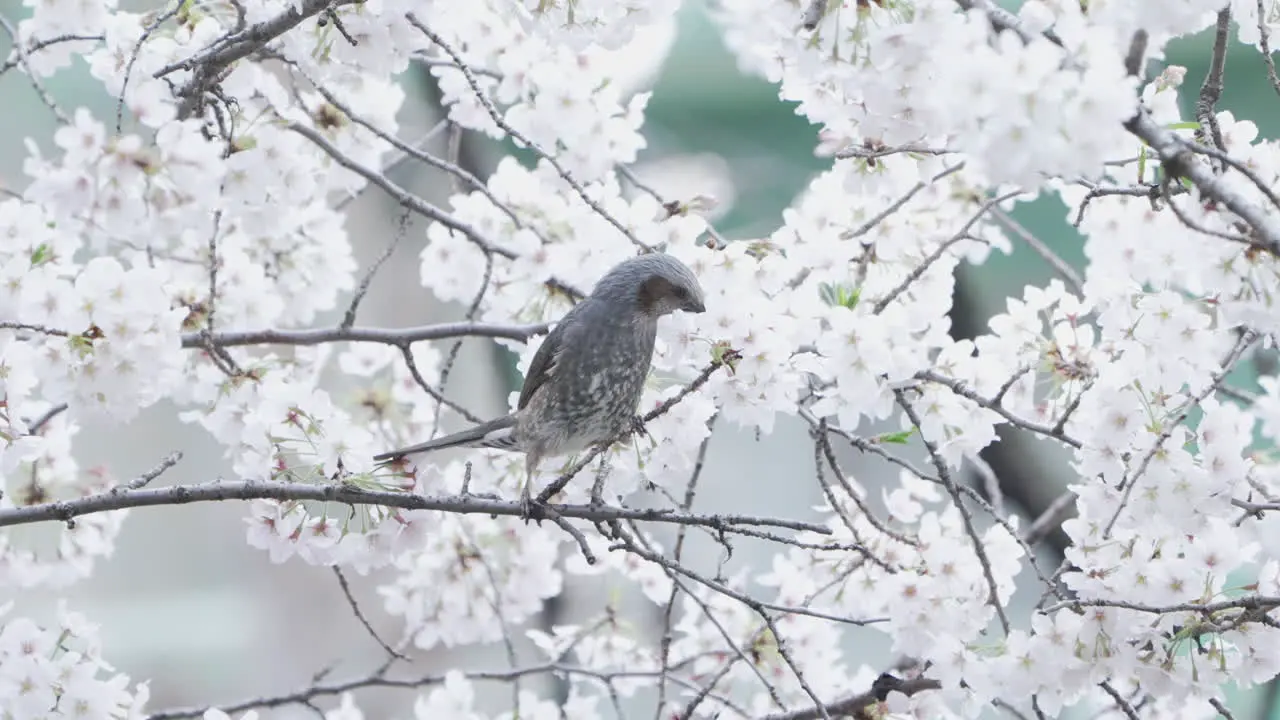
584	383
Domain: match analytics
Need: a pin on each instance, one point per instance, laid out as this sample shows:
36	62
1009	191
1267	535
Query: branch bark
398	337
121	498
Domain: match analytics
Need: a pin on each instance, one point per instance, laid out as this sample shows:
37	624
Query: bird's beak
695	305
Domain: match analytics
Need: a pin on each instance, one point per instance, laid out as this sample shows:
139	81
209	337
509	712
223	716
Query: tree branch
207	66
853	706
1178	159
120	499
386	336
1264	44
1211	90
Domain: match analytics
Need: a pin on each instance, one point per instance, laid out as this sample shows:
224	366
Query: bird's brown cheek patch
652	291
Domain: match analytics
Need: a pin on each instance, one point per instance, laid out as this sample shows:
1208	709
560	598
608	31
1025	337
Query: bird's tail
498	433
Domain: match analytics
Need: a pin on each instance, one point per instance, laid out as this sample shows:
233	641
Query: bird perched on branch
584	384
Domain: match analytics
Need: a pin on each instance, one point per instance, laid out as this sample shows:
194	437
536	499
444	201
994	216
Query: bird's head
656	284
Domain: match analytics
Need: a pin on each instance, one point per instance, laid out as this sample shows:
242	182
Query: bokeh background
186	603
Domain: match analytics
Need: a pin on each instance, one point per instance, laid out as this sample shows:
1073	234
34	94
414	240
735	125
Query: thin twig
35	426
1060	266
933	257
658	411
944	474
406	353
1051	518
349	317
896	205
402	196
1264	44
145	478
39	45
664	646
15	42
1246	339
355	608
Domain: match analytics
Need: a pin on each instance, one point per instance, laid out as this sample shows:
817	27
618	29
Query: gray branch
121	498
398	337
855	705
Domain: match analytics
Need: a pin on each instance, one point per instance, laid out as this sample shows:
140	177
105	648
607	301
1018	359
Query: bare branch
39	45
1060	266
1211	90
145	478
664	651
35	426
308	695
133	58
406	353
21	55
349	318
871	151
355	608
1122	704
117	499
854	705
404	197
1264	44
398	337
28	327
1052	517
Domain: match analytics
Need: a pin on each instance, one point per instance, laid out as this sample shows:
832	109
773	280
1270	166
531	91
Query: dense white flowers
215	205
58	672
882	72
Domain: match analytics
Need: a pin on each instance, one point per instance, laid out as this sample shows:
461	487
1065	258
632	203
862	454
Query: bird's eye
681	293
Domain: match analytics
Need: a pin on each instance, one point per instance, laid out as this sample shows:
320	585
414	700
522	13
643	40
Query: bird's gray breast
596	386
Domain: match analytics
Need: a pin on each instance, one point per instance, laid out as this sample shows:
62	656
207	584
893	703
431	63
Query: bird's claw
531	509
638	428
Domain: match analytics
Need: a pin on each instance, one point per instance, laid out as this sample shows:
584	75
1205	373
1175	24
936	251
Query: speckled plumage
584	384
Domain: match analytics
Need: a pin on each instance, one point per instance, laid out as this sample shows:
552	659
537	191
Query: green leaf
1188	125
896	438
841	295
42	253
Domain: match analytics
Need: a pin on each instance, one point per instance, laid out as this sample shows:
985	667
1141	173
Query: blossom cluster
137	248
57	671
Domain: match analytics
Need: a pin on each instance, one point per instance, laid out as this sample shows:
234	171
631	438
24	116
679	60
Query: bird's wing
543	365
495	434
